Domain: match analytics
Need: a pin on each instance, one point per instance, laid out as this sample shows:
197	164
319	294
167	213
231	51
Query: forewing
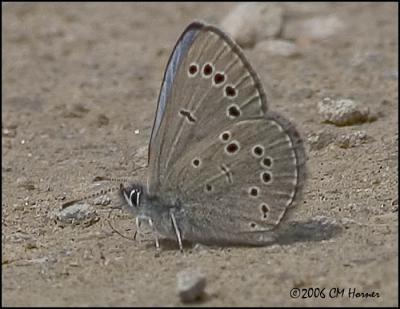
208	85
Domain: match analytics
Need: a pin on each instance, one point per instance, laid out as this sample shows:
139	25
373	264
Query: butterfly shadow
316	229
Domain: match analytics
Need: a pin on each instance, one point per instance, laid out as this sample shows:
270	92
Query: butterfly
222	168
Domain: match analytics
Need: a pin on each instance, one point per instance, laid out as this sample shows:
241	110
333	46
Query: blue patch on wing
177	56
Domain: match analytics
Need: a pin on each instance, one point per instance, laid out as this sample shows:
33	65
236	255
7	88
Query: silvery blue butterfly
222	169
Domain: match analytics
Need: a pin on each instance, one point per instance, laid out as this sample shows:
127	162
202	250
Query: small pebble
190	285
353	139
343	112
75	213
249	23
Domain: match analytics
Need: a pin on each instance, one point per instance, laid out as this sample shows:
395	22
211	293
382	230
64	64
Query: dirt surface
79	80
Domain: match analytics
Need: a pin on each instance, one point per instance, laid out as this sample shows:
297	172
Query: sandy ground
79	79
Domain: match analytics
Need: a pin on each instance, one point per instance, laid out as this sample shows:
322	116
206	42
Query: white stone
353	139
249	23
342	112
190	285
75	213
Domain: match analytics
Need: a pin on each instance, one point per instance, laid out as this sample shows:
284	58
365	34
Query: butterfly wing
234	167
237	187
207	75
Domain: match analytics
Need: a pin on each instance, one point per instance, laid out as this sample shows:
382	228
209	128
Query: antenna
86	197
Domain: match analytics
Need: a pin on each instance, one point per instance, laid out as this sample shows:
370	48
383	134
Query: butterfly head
132	195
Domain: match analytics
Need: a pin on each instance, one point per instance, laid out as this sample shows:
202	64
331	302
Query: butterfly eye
134	197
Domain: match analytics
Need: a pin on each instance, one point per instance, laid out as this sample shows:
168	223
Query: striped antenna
111	179
102	191
93	195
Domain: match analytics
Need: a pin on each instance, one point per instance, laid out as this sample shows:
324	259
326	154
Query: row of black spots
266	178
207	71
218	80
258	151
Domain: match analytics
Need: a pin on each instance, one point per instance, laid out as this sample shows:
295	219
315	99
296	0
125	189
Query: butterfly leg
155	235
138	223
177	232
